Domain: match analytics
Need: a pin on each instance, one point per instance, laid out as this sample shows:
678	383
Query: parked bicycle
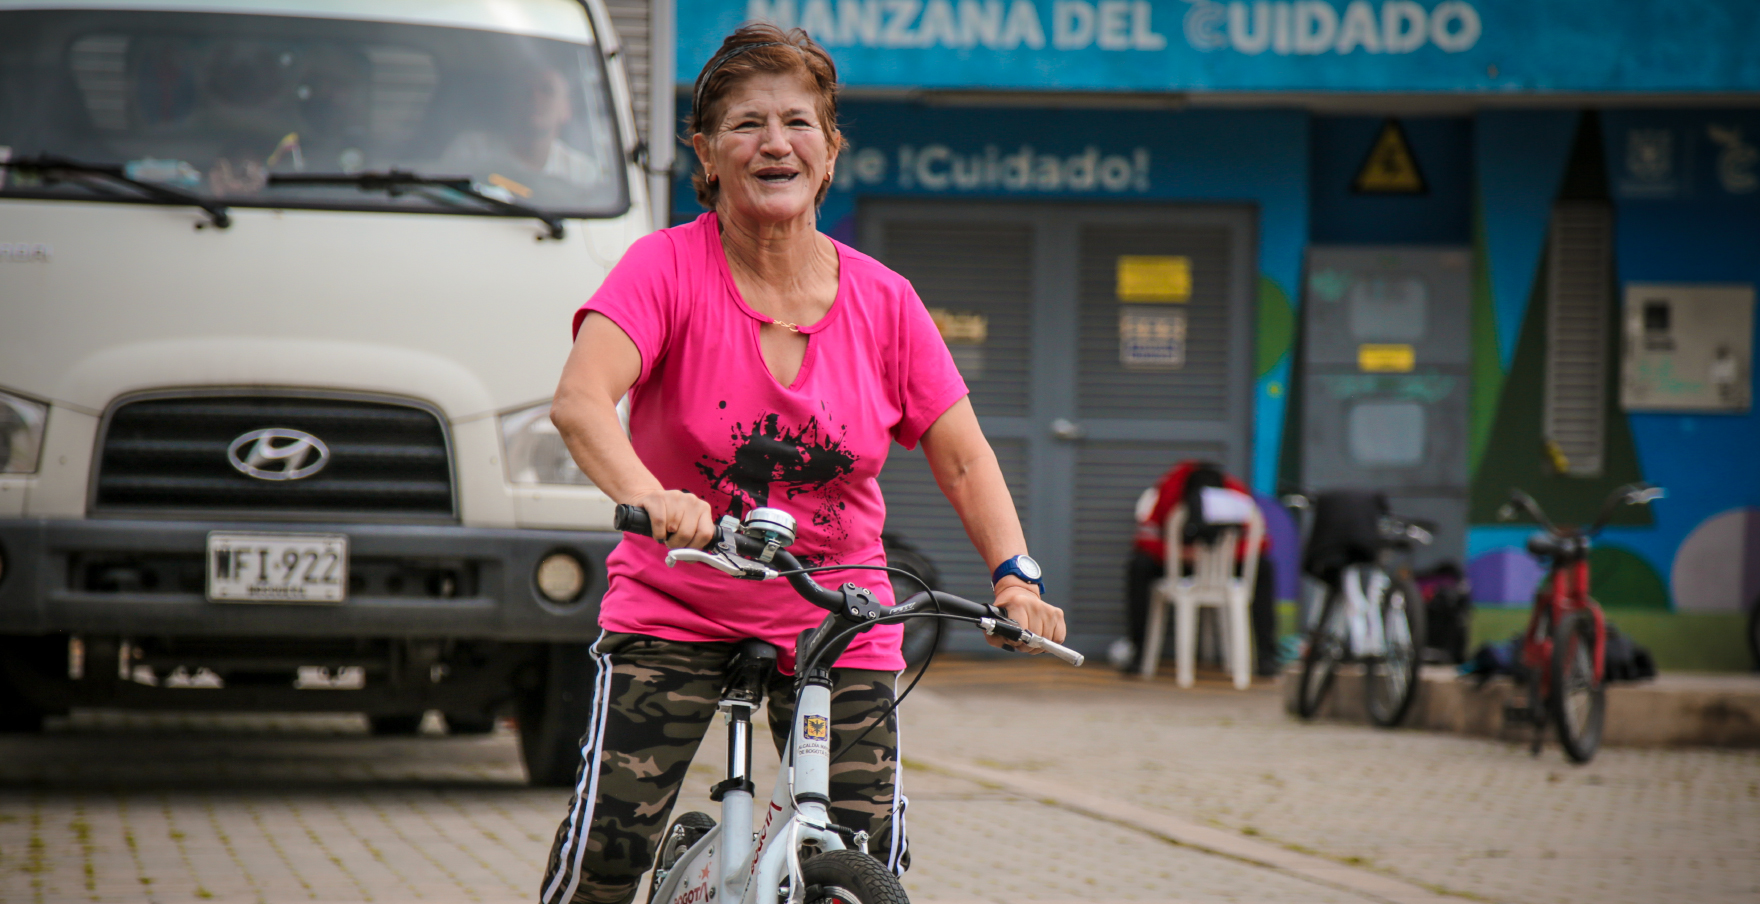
1370	612
1564	649
799	855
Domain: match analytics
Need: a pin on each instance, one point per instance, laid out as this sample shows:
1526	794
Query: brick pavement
1471	816
172	809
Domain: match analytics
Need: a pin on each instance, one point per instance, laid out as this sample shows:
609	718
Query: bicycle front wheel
850	877
1320	657
1390	681
1578	698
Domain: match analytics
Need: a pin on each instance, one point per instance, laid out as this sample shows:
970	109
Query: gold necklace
791	327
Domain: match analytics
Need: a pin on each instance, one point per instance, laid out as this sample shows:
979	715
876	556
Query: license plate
277	568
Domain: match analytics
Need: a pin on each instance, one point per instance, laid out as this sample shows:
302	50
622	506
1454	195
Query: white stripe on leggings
586	789
899	801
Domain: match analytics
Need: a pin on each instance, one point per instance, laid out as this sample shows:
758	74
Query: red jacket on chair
1169	493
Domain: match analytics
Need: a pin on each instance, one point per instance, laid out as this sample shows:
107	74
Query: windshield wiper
393	182
49	166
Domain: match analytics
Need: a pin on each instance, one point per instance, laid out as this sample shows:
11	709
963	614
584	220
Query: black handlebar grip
633	519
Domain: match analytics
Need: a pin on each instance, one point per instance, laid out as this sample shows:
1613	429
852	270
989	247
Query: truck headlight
21	433
535	451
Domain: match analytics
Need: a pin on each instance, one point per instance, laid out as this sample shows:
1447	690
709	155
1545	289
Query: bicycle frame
1365	635
731	864
739	867
1564	591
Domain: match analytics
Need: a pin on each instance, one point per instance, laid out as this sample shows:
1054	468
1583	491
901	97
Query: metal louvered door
1087	397
1386	368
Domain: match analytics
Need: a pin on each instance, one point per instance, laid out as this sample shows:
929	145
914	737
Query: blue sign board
1261	45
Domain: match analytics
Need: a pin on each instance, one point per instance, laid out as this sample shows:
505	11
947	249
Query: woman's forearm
590	428
602	366
969	475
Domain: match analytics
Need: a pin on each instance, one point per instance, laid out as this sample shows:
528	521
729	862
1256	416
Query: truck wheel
18	714
553	717
920	634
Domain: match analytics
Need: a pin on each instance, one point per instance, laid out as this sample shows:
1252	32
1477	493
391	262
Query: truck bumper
138	577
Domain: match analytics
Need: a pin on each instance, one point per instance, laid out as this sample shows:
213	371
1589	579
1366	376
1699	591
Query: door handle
1065	429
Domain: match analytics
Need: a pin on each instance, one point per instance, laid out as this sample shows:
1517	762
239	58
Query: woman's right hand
681	520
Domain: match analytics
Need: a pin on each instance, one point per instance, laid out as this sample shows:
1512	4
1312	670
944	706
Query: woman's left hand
1020	601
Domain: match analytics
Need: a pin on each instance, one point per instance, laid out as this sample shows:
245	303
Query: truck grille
166	455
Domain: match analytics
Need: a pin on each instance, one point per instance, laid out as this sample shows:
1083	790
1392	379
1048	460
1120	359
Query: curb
1675	710
1211	840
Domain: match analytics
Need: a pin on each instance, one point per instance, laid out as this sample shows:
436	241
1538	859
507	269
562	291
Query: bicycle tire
696	824
1578	700
850	877
1390	682
1320	657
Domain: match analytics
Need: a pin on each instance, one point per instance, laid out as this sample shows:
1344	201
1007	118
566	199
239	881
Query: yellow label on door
960	329
1154	278
1396	359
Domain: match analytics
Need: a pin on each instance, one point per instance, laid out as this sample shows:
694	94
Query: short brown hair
761	49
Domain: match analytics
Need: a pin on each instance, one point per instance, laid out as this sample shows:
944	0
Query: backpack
1197	530
1625	659
1448	611
1346	531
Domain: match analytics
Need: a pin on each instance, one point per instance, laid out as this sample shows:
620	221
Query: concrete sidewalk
1440	813
1029	781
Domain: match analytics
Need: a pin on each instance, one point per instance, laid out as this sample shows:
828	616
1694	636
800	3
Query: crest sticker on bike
816	735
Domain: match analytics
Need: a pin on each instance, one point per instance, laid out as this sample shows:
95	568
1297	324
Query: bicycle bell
770	525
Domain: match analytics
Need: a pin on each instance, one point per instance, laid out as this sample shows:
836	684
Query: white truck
285	288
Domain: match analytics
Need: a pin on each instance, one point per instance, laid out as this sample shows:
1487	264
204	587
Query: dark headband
717	63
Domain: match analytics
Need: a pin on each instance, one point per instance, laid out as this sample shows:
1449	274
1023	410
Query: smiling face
769	152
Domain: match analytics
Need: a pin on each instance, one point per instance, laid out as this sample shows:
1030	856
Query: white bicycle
1367	608
799	855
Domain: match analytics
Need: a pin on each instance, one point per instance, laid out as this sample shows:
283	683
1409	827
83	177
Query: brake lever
730	566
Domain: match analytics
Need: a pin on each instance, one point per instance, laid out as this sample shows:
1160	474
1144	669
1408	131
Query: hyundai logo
277	453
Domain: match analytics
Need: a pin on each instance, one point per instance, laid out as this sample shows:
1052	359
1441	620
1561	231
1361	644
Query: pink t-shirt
707	416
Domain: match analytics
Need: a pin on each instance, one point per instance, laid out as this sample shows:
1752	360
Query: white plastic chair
1213	581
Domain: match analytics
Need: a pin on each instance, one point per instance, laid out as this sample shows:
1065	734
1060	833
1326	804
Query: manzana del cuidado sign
1161	45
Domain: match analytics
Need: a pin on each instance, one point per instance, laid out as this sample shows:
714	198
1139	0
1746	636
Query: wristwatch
1022	567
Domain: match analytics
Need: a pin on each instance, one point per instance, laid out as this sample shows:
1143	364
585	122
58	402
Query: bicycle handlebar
1639	493
635	520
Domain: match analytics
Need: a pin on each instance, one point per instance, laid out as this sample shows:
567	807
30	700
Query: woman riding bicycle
765	364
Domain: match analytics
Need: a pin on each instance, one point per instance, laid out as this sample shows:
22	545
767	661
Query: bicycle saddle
751	666
1564	549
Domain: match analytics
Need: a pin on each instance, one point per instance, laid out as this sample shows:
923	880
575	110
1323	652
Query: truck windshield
213	104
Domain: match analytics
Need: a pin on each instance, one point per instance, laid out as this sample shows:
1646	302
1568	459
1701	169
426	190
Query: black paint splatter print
768	456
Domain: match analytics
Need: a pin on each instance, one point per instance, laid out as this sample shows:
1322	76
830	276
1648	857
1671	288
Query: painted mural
1685	192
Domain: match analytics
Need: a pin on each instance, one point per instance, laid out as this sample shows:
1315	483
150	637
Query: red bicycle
1563	664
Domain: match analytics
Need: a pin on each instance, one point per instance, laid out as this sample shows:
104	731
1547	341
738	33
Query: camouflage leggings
653	703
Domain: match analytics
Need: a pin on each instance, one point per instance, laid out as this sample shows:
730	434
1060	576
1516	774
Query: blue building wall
1700	224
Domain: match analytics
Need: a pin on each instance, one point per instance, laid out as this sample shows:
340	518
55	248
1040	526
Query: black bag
1197	530
1346	531
1448	611
1625	660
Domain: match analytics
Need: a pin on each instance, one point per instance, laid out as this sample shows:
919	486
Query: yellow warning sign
1390	168
1154	278
1387	359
